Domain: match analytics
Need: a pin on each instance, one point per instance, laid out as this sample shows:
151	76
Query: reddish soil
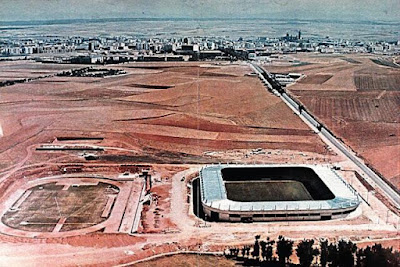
188	260
393	243
199	113
315	79
155	216
360	103
98	240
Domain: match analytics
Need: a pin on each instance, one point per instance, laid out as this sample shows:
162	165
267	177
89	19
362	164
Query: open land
188	260
15	70
166	120
359	100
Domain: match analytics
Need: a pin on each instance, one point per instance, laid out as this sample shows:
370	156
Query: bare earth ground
169	118
15	70
359	101
188	260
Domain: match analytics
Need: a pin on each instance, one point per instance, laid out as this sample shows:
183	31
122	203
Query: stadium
246	193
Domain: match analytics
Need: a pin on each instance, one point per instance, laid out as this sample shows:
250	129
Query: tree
247	251
306	252
256	248
236	252
364	257
284	249
263	245
324	252
269	250
333	255
377	256
346	251
394	259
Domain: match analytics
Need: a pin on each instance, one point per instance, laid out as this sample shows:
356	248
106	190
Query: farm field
160	120
19	69
360	103
168	112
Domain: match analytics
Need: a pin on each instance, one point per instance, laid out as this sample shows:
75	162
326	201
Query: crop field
249	191
316	79
351	60
342	108
377	82
14	70
388	62
360	103
73	207
160	112
367	121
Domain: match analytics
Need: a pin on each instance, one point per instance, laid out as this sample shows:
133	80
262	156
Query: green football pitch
282	190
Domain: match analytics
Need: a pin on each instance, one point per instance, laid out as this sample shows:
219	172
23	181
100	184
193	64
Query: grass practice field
283	190
45	205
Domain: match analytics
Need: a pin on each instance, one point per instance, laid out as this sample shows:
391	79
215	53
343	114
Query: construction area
107	168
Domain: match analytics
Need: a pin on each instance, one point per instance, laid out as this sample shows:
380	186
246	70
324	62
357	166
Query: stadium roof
214	194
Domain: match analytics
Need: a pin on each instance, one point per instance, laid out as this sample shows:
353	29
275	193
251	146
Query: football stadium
246	193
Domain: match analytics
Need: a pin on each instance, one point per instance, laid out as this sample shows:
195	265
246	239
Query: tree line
310	253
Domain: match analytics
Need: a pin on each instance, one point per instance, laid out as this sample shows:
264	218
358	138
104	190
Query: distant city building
124	48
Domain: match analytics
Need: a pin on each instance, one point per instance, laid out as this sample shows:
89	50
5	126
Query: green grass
283	190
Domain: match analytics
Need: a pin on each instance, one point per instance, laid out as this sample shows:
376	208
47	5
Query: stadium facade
278	192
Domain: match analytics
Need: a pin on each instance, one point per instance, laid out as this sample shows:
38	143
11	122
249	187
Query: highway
325	132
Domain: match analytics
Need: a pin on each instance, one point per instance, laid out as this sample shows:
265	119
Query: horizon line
194	19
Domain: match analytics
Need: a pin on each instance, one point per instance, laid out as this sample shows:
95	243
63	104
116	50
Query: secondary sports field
283	190
42	207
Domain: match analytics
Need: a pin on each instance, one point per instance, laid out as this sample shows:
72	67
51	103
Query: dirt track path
20	164
178	207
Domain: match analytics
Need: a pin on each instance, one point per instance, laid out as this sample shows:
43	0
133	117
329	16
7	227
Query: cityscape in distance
220	133
153	39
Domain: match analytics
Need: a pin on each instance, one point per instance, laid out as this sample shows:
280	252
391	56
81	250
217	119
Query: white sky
295	9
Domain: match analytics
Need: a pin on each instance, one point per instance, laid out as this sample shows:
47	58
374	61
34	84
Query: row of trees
91	72
340	254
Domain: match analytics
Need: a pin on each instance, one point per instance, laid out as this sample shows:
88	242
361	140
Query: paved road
371	174
392	194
